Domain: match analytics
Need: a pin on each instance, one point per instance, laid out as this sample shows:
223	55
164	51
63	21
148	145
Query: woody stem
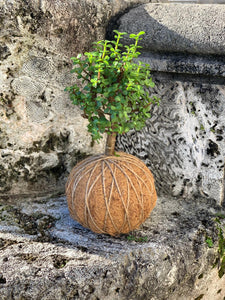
110	144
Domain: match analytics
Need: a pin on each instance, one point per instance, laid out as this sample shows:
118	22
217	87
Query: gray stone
179	63
42	131
36	114
44	254
190	28
196	1
183	142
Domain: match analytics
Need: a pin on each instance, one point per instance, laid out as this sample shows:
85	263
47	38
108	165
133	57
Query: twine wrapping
111	194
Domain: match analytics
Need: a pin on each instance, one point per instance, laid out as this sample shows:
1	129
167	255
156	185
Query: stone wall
42	135
44	254
184	141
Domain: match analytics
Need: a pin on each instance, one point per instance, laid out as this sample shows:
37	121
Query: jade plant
113	88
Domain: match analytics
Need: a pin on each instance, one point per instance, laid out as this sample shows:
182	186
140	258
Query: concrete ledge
44	254
209	66
189	28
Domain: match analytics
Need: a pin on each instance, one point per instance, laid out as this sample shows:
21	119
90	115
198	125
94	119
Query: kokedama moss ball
111	194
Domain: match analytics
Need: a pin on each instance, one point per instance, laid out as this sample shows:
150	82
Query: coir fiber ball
111	194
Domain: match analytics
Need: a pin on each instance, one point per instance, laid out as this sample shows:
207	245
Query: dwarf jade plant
113	92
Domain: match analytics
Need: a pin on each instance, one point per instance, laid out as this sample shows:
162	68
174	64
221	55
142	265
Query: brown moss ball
111	194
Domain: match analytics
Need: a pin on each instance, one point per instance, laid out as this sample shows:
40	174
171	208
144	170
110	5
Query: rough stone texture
188	28
184	142
211	67
42	135
44	254
194	1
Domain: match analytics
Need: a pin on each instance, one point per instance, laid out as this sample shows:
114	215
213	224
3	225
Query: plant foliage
221	248
220	259
113	91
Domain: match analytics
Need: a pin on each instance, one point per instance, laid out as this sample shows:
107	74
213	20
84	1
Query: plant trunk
110	144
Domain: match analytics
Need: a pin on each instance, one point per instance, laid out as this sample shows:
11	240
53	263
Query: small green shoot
141	239
209	242
220	259
221	249
220	215
202	127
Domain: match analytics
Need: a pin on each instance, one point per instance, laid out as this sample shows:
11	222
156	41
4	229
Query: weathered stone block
178	28
44	254
184	141
37	39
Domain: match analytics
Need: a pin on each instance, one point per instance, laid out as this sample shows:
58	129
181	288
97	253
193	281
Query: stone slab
211	67
186	28
44	254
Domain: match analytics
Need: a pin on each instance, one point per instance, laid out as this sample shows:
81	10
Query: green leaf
87	88
107	110
209	242
141	33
